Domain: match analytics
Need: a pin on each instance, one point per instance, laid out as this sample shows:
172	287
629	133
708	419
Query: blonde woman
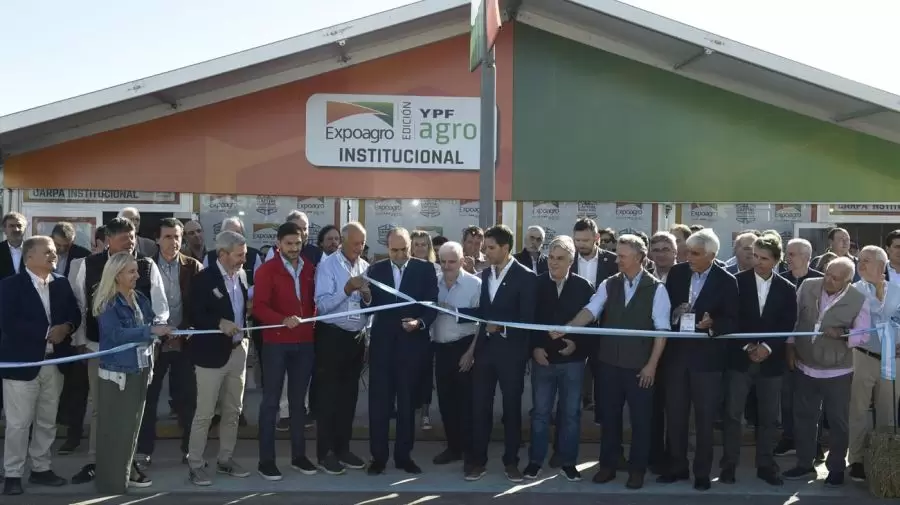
125	316
423	248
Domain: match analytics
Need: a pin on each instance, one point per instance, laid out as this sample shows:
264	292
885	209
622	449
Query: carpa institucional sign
385	131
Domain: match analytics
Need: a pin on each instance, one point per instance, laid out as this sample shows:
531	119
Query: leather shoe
635	480
47	478
604	475
702	484
771	476
12	486
375	468
446	457
726	476
409	467
671	477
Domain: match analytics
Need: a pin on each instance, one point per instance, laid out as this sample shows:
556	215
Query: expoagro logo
336	111
545	209
704	211
469	208
265	233
788	212
311	204
628	210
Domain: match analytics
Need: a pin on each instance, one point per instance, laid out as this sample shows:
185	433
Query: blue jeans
297	361
546	381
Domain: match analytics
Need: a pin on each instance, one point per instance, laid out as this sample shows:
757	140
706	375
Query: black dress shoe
726	476
409	467
446	457
770	476
635	480
375	468
12	486
604	475
671	477
47	478
702	484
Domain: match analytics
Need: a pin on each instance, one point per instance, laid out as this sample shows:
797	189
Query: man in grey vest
883	299
631	299
832	306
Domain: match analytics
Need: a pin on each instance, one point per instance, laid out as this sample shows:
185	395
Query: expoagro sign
383	131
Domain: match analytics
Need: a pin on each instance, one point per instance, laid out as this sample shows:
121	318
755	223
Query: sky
57	49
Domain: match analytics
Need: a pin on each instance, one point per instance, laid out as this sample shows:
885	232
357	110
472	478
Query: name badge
353	305
687	323
143	356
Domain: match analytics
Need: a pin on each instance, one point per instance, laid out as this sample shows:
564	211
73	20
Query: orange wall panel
255	144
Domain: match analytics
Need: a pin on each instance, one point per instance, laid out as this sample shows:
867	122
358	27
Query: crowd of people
184	310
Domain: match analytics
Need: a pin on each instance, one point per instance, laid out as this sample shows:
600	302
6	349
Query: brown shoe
635	480
475	472
604	475
513	474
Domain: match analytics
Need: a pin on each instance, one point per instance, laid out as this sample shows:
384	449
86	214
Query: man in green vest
631	299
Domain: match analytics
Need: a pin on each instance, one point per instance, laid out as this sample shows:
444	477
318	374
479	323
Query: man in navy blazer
38	314
398	349
508	293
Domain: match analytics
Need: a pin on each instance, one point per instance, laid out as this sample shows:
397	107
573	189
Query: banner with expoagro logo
558	218
728	220
262	215
438	217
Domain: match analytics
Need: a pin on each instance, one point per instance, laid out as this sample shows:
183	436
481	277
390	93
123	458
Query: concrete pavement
446	482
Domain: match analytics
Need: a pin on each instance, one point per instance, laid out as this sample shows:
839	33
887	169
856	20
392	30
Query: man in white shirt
454	352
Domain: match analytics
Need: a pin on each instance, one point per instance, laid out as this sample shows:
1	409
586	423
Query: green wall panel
590	125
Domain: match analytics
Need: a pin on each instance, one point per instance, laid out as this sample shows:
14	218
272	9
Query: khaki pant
226	386
30	407
868	385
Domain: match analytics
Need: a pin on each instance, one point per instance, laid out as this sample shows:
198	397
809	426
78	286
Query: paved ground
444	483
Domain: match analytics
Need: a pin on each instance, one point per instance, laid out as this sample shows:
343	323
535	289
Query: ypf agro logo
355	119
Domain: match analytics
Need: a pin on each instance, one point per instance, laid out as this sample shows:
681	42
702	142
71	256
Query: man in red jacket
284	295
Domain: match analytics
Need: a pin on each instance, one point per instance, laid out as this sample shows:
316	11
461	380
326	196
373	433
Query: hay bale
883	464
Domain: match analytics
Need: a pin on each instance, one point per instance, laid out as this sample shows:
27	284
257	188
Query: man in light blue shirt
883	298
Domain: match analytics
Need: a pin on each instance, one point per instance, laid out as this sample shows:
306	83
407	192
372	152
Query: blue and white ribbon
887	332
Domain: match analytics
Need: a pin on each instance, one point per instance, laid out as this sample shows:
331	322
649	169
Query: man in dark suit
63	236
839	243
767	303
14	226
704	299
531	255
38	315
508	293
219	301
178	272
596	265
398	349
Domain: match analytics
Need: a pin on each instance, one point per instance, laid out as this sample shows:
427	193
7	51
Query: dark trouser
751	412
119	414
597	387
788	386
338	362
185	398
76	389
621	386
297	361
312	393
395	367
768	389
258	345
810	397
566	379
426	381
659	451
684	388
454	392
498	360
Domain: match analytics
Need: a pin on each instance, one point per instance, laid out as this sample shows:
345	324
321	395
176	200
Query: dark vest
252	254
627	352
93	272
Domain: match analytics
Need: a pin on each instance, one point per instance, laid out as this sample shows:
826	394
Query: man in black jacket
63	236
219	301
508	293
11	260
704	299
558	365
38	314
767	303
531	255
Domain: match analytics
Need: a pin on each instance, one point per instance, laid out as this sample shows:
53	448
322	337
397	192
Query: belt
869	353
